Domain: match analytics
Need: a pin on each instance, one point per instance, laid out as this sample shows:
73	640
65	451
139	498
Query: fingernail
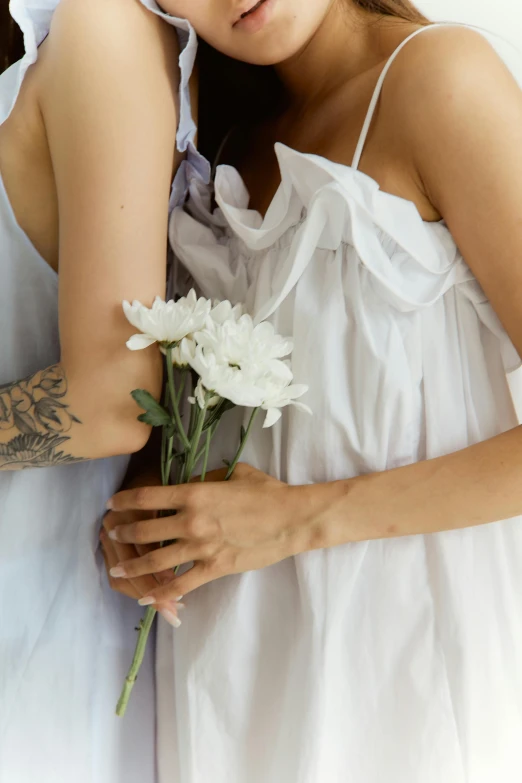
179	598
147	601
176	605
113	535
170	617
109	504
117	572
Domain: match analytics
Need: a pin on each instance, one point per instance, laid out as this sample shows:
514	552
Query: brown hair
400	9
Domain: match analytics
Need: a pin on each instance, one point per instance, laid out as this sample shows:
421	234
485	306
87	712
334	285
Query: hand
114	552
247	523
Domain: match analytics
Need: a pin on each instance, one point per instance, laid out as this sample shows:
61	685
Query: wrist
323	514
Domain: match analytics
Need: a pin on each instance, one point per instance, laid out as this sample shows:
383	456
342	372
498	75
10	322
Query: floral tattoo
34	410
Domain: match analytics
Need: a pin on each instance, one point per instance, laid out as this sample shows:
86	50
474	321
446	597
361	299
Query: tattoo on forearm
33	409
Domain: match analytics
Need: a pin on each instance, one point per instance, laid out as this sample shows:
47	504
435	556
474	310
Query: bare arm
108	81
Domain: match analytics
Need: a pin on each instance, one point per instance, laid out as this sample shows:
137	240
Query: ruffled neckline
297	192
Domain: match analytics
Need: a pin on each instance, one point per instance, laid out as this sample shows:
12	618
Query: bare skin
448	137
87	158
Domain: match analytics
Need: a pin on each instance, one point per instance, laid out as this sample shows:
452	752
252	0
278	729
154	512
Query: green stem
182	385
175	406
164	475
242	445
145	627
192	421
206	452
192	455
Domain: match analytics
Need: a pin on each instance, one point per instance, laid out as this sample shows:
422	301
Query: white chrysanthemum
266	385
184	352
240	343
228	382
202	398
278	397
166	322
225	311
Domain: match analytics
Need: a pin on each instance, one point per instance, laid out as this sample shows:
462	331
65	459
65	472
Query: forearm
475	486
46	420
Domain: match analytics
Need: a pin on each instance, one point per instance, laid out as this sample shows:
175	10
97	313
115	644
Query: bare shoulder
447	79
109	31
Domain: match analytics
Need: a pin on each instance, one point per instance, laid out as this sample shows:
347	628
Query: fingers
171	498
148	531
111	560
151	499
168	557
120	552
197	576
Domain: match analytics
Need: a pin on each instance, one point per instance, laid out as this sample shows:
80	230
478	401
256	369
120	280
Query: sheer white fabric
396	660
66	639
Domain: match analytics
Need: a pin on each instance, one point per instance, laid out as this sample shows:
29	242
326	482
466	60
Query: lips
250	11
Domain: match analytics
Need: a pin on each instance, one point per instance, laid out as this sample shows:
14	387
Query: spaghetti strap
377	92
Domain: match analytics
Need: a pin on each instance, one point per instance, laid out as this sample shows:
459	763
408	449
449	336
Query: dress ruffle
322	205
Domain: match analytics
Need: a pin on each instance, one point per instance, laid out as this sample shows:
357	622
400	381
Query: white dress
391	661
66	639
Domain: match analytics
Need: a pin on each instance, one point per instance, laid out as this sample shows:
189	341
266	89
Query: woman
369	623
88	125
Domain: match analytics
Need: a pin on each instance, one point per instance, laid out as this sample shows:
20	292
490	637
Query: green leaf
226	462
155	414
242	434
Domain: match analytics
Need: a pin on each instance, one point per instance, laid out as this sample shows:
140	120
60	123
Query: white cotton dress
392	661
66	639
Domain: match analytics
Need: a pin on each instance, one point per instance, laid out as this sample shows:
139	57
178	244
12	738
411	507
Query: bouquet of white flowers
216	355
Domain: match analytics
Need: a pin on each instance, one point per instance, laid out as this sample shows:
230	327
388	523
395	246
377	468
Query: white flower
276	389
240	343
166	322
226	381
279	397
184	352
201	397
224	311
266	385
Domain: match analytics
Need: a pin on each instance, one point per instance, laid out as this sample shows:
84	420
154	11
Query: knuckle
142	497
206	551
196	527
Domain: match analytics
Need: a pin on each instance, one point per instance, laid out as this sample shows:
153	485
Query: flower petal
273	415
140	341
302	407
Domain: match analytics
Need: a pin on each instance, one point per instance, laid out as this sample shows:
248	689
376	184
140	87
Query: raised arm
108	85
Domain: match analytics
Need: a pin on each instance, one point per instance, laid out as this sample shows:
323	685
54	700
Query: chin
269	55
266	49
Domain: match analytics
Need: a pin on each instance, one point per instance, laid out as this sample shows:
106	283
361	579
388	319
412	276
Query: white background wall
500	16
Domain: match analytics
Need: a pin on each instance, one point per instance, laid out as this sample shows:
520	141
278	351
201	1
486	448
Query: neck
349	41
